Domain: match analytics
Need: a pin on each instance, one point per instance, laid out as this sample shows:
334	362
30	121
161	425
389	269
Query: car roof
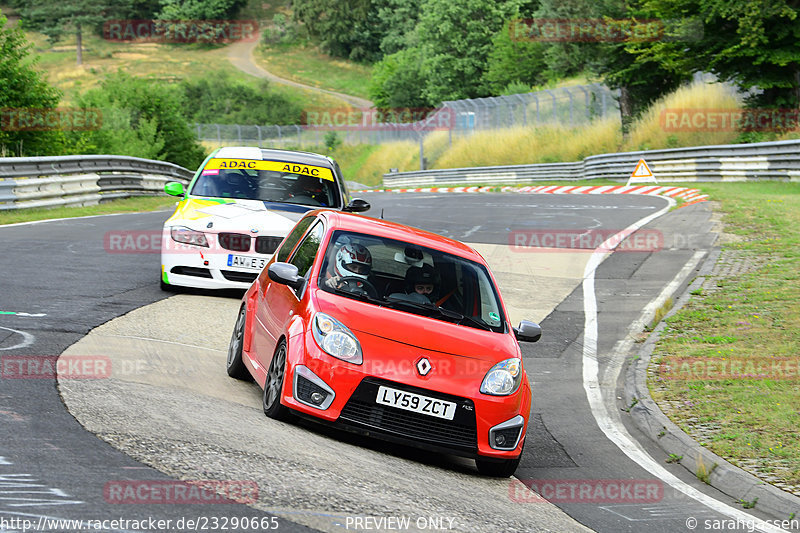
340	220
273	154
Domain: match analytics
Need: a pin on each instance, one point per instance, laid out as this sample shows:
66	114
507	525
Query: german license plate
416	403
246	261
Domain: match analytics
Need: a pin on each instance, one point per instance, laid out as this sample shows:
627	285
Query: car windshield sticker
211	172
494	316
279	166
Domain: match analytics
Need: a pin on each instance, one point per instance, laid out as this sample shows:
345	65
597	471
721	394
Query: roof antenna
381	213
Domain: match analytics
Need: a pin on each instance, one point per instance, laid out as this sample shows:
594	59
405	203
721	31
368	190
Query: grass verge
125	205
307	65
745	315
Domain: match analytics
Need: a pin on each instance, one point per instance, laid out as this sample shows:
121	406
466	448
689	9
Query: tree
142	118
455	41
55	19
345	28
224	99
398	18
594	42
200	9
21	86
398	81
514	60
752	43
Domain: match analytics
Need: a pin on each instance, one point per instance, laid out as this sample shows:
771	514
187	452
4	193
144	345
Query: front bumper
206	268
347	399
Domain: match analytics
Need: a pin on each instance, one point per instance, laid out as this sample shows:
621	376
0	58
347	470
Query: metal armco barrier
81	179
731	162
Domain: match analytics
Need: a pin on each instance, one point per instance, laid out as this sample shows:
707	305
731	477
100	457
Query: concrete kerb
731	480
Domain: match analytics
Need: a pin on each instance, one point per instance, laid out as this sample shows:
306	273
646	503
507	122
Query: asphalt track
61	270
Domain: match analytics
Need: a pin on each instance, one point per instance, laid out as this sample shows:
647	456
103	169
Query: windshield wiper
445	313
363	296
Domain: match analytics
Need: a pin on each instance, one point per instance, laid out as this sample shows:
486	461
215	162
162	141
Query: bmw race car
238	207
388	331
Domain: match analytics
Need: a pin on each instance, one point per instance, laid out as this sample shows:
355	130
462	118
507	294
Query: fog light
317	398
499	439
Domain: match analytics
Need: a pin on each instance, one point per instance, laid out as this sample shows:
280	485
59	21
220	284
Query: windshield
267	186
410	278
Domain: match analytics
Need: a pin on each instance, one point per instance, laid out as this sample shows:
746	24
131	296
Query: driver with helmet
352	267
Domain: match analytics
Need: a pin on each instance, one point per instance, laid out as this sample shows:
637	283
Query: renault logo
424	366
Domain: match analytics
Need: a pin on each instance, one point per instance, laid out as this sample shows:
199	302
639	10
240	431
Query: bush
21	86
223	99
143	119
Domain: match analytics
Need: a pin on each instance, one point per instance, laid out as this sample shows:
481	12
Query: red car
388	330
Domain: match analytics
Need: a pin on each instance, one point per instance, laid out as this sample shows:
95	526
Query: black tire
505	468
271	399
235	365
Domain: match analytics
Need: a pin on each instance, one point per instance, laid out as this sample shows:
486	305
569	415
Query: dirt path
240	54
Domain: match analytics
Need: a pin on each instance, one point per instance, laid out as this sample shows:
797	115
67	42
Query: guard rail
778	160
27	182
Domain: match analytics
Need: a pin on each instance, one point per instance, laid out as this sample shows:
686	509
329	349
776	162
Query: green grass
753	316
127	205
307	65
162	62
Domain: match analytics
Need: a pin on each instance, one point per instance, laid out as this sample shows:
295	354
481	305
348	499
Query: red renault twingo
389	330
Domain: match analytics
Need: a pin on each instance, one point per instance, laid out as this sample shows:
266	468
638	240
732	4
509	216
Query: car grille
461	432
244	277
191	271
267	245
238	242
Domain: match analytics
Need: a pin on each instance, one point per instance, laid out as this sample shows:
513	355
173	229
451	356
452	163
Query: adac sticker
279	166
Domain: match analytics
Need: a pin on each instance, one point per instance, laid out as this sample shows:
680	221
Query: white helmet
353	260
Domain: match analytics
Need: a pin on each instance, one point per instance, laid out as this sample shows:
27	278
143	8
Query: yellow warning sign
279	166
641	173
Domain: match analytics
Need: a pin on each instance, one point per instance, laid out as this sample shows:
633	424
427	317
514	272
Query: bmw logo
253	230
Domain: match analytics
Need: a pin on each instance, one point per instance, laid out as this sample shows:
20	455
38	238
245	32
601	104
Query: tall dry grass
521	145
652	131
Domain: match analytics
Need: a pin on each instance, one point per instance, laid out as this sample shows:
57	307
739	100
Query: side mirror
286	274
528	331
173	188
357	205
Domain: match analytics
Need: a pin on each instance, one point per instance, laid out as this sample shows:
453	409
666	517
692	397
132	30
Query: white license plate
416	402
246	261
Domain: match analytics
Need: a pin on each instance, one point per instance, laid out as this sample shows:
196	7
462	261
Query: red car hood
418	331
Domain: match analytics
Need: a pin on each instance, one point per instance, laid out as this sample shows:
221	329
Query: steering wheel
358	285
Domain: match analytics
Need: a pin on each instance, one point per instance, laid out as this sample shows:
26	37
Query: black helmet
421	274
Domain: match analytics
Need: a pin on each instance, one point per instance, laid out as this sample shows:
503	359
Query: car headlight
188	236
503	378
335	339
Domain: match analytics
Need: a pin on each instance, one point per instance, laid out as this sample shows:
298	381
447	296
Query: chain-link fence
570	106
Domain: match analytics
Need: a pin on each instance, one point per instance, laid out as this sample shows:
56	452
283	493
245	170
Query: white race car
239	206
